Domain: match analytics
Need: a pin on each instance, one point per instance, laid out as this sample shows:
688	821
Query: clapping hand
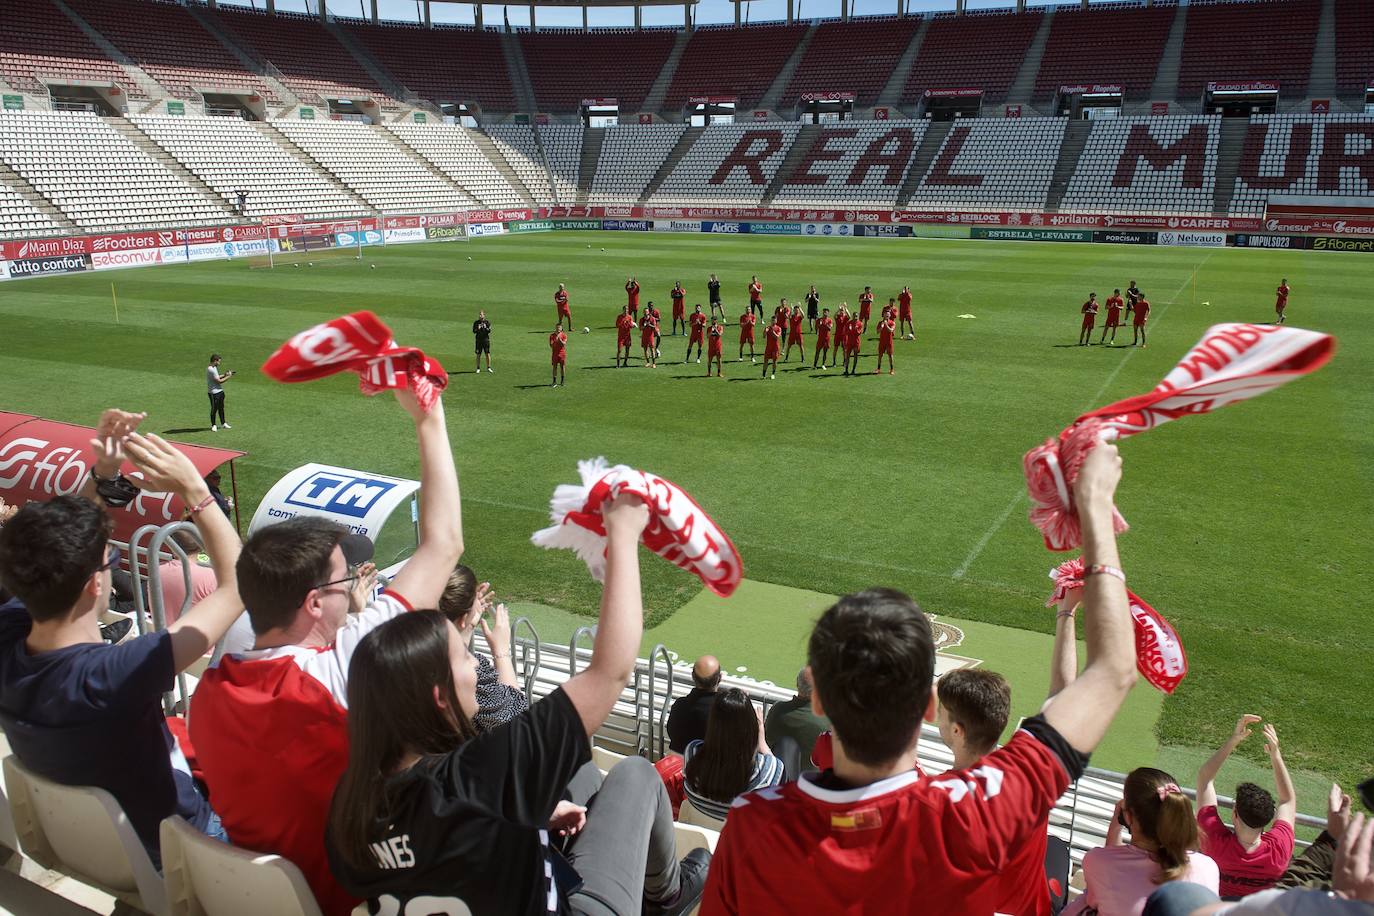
568	819
111	431
1243	727
1353	874
165	469
1271	740
362	587
1337	813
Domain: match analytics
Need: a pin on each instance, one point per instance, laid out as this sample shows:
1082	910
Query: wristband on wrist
1065	614
1098	568
500	655
98	479
199	506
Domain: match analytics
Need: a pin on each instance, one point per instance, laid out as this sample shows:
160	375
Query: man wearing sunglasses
78	710
269	724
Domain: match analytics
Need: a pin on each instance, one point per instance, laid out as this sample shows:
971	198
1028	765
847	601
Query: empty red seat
972	51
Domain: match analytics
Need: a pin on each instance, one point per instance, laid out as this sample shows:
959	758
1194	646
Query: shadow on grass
188	429
531	387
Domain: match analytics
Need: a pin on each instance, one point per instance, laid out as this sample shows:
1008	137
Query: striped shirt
767	771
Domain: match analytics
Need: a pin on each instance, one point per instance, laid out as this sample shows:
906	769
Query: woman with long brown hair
1163	848
734	757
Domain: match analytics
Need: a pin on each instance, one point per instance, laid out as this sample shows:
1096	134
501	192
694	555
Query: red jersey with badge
796	319
698	324
746	327
678	296
823	328
904	304
647	326
560	299
1142	312
1089	313
755	292
1114	306
903	844
774	341
558	345
885	331
713	338
865	306
855	337
632	290
1282	293
624	325
842	321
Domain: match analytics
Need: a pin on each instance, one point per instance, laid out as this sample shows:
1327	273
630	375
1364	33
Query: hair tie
1168	789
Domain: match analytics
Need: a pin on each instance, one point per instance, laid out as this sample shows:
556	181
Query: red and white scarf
1231	363
1159	655
358	343
679	530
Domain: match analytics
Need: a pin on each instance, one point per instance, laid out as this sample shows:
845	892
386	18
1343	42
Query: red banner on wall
1244	86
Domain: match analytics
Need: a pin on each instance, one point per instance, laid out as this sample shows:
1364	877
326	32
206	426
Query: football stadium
387	387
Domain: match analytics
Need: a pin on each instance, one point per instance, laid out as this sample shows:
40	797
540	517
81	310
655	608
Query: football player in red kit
852	343
560	302
648	336
889	310
1114	306
796	322
866	304
658	327
679	297
904	313
755	296
824	325
782	315
746	334
558	346
632	293
624	330
887	329
842	319
1142	315
698	324
715	338
1085	333
772	344
1281	302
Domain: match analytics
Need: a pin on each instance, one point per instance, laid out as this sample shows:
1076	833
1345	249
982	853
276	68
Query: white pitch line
1021	493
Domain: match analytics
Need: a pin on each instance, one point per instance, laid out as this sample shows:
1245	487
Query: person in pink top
1251	854
1163	848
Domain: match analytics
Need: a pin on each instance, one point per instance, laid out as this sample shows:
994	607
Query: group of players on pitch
1137	308
838	337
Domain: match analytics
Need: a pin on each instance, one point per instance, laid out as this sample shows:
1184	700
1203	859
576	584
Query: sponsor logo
228	233
534	225
480	229
1073	219
1033	235
626	225
39	267
1327	243
123	242
206	252
1193	239
775	228
412	234
883	231
623	212
1270	241
50	248
339	494
444	233
677	225
577	224
729	228
1342	226
1119	237
103	259
175	255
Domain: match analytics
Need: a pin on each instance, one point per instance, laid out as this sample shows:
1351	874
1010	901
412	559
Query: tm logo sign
338	494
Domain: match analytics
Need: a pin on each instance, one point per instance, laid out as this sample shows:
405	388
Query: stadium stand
423	60
20	219
229	155
729	165
313	64
872	159
631	154
1308	155
972	51
1248	41
42	45
562	144
376	169
732	62
994	164
96	176
451	149
567	67
171	47
856	57
1106	46
1354	45
517	143
1147	165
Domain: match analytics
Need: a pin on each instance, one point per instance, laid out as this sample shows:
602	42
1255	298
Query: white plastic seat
81	831
205	877
605	759
693	816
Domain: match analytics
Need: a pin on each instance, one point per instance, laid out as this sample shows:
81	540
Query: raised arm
1207	773
421	581
595	691
107	447
1064	662
166	470
1287	797
1083	710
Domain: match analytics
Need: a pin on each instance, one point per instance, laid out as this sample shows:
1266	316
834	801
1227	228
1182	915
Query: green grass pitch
1250	527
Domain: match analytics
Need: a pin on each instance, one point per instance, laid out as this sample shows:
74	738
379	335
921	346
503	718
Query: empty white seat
208	878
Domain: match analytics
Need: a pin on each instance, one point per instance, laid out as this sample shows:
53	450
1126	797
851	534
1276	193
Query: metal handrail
525	647
572	647
658	650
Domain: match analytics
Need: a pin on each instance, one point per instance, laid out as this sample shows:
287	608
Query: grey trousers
627	851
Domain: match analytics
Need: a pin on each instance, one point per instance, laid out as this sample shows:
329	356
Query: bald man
687	718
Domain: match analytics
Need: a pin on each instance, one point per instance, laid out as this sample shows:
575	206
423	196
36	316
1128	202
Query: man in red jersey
756	296
795	338
1114	306
866	305
870	834
624	329
560	301
284	701
632	293
1085	333
558	352
714	340
889	310
887	329
679	297
771	346
648	335
782	315
824	325
1142	315
658	327
698	325
842	319
746	334
904	313
853	341
1281	302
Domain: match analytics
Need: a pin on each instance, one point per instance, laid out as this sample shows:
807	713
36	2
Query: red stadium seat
725	61
1248	41
42	44
972	51
1111	47
1354	44
856	57
567	67
444	65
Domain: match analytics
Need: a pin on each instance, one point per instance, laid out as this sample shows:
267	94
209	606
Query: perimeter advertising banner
625	225
828	230
677	225
775	229
726	228
1121	237
580	224
1193	239
533	225
1031	235
1279	242
894	232
1327	243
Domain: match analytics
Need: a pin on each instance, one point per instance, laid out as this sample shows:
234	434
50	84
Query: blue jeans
1178	898
215	830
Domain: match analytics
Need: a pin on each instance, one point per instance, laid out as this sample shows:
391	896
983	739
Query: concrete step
771	98
150	87
1321	83
891	95
419	158
130	130
497	159
1023	86
20	185
1165	85
806	139
279	138
925	155
592	138
519	73
684	143
659	90
398	94
289	100
1233	131
1070	151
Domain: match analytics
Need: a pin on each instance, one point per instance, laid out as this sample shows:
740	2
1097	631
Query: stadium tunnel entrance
1241	100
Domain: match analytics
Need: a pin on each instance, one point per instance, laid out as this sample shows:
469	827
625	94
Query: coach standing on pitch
214	382
481	330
